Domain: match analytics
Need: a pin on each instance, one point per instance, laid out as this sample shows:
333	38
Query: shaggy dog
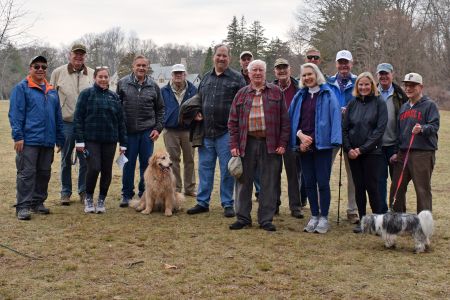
389	225
159	192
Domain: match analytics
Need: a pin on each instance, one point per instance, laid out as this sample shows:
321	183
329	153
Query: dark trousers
100	160
292	167
256	156
365	171
33	174
316	167
419	168
386	170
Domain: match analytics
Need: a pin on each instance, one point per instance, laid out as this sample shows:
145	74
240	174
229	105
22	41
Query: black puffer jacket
364	123
143	106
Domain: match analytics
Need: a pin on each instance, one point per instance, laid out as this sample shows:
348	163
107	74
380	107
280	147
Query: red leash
405	161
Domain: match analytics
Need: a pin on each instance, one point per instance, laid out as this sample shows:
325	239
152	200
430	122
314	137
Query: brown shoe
190	194
353	218
65	200
82	197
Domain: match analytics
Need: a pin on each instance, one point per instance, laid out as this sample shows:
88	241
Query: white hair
319	76
257	62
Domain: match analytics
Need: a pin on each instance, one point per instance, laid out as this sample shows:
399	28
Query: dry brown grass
124	255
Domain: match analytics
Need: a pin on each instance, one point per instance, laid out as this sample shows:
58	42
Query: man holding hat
418	124
244	59
176	137
69	80
143	107
394	97
36	123
342	85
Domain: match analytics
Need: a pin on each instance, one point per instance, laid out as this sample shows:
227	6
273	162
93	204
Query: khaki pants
351	203
418	169
177	141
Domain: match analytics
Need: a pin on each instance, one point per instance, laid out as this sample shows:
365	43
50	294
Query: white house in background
163	74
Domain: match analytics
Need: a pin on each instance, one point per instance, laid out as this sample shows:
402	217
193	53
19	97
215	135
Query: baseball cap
280	61
78	47
344	54
38	58
235	166
178	68
385	67
245	53
413	77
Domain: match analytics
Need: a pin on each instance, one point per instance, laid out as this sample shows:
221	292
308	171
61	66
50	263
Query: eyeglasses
37	67
311	57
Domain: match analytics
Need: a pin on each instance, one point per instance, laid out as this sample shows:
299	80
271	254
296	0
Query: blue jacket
35	115
328	130
342	97
172	106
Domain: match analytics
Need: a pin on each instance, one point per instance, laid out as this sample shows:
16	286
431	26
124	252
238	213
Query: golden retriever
159	194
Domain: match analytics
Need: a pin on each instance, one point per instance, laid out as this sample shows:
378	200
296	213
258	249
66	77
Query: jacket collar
71	69
32	84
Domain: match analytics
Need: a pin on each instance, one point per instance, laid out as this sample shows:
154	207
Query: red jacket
275	118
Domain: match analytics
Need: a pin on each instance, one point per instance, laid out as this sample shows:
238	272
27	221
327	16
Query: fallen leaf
167	266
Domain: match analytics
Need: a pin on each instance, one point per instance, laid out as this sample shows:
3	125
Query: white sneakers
318	225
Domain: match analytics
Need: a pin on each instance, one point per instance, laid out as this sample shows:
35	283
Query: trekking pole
400	179
340	184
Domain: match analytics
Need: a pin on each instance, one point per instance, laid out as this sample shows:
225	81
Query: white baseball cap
413	77
344	54
178	68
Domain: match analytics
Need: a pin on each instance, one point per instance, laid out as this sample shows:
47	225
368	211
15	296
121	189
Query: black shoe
23	214
124	202
277	211
228	212
297	214
40	209
268	227
197	209
239	225
357	229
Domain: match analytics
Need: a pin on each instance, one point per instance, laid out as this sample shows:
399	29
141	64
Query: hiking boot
40	209
100	209
82	197
228	212
322	226
89	205
65	200
197	209
239	225
23	214
311	226
357	229
268	227
125	202
297	214
353	218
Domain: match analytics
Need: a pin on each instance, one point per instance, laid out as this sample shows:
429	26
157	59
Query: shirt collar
72	70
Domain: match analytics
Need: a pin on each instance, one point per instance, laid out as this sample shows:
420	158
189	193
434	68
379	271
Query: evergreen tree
208	65
255	40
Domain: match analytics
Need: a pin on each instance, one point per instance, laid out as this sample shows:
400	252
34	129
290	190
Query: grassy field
126	255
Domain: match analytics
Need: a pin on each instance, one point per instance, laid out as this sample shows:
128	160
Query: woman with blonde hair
315	117
363	128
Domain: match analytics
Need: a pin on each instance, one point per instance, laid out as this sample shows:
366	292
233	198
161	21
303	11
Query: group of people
77	110
379	129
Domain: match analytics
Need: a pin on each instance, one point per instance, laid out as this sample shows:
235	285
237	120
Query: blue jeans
316	167
212	149
140	144
385	169
66	163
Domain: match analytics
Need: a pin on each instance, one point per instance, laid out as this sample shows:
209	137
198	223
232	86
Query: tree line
413	35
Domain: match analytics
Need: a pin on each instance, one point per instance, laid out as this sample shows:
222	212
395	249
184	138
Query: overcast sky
197	22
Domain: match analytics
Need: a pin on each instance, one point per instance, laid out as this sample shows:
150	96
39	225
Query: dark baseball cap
78	47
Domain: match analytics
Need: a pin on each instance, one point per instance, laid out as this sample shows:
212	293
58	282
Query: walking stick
340	184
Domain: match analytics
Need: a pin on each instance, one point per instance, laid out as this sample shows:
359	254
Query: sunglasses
311	57
37	67
101	67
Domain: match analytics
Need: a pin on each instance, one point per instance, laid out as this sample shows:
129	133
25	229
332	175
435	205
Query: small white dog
389	225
